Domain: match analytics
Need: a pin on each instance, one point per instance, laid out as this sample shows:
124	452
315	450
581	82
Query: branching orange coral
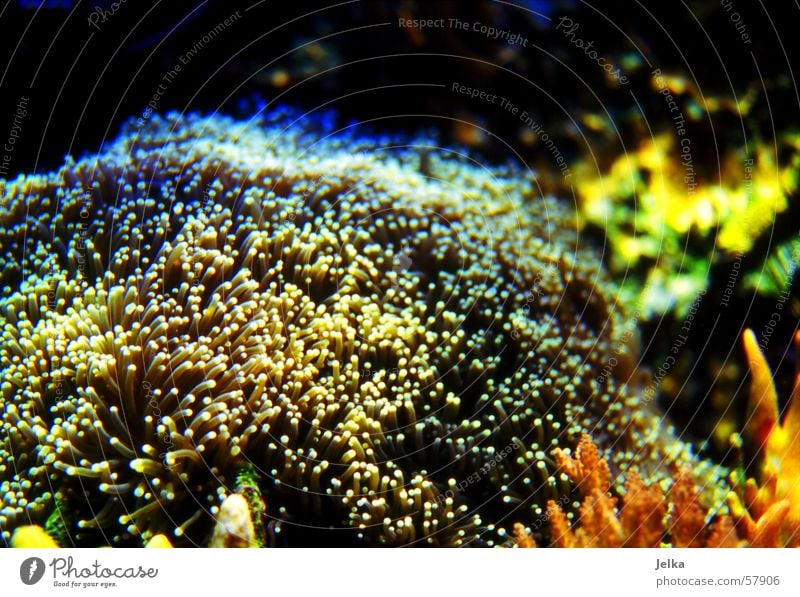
600	526
764	512
642	513
767	511
587	469
522	536
647	517
687	526
687	516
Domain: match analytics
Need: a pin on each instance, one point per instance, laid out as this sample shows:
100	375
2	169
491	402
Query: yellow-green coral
668	216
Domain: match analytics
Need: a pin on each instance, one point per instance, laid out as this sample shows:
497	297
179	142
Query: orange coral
560	531
599	524
687	517
763	513
522	536
587	470
768	512
642	519
642	513
687	521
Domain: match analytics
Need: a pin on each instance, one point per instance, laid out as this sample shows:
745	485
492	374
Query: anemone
393	338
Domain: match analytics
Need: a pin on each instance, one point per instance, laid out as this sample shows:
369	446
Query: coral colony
227	333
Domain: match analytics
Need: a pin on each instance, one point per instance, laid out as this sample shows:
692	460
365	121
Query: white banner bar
400	572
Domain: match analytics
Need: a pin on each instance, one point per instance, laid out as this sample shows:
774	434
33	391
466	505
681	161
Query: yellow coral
648	201
159	542
32	536
768	512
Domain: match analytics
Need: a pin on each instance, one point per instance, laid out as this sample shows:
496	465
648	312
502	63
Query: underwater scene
399	274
